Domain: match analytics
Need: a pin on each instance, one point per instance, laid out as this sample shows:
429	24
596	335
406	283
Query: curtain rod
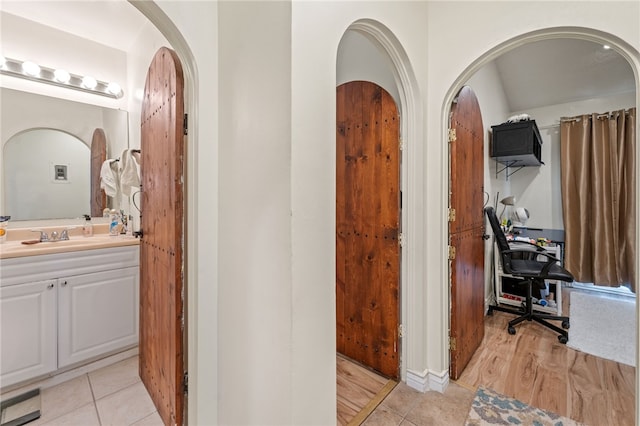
590	116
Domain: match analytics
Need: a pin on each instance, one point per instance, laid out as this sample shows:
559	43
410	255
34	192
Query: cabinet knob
64	283
50	286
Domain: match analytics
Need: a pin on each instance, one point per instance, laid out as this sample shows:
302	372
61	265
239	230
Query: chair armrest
547	265
537	247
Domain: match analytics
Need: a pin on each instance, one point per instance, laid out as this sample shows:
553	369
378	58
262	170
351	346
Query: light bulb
114	88
31	68
89	82
62	75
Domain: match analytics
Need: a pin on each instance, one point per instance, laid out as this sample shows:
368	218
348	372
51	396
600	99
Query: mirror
46	169
40	136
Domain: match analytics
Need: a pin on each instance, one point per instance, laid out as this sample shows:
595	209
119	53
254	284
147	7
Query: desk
506	285
555	236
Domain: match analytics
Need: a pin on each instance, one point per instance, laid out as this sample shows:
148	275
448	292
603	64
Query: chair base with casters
528	314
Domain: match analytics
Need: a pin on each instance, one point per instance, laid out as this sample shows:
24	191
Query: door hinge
452	252
185	125
452	214
452	344
401	331
185	382
401	144
452	135
401	239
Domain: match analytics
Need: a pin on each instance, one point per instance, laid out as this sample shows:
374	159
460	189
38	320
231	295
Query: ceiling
536	74
558	71
114	23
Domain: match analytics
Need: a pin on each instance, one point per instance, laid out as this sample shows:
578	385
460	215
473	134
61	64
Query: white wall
361	60
139	57
255	188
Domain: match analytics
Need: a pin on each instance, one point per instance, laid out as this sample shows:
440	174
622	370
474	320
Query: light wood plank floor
535	368
360	390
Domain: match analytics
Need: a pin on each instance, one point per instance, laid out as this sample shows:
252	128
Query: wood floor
535	368
360	390
531	366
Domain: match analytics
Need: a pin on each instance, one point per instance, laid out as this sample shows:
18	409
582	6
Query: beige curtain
599	196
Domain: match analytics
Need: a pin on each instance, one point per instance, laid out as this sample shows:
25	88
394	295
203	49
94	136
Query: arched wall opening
409	106
621	47
179	44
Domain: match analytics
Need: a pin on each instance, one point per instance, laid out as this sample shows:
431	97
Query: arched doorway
401	82
627	52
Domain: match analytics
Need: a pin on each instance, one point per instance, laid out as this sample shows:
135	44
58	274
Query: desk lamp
507	201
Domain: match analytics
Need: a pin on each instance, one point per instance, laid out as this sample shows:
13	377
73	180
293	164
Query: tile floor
112	395
407	407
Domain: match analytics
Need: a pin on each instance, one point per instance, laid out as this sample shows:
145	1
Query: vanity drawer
36	268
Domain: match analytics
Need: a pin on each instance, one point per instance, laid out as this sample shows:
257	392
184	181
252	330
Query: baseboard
428	380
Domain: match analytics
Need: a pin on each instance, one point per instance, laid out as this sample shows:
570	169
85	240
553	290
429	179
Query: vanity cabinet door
98	313
28	331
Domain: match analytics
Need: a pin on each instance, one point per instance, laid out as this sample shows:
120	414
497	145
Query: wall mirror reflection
46	175
46	158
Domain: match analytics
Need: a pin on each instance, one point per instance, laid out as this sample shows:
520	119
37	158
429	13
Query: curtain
599	197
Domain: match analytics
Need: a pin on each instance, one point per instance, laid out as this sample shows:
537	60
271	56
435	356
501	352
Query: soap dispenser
87	228
114	223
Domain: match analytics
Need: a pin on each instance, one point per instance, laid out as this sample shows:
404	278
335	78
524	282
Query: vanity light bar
55	77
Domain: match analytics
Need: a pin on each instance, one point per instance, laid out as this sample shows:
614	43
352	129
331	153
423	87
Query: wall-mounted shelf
516	145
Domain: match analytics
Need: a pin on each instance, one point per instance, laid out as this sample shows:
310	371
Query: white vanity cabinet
97	313
28	327
65	308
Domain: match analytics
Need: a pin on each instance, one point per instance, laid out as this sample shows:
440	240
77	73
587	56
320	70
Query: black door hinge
185	124
185	382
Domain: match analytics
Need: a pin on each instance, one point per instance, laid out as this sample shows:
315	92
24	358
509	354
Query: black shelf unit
517	144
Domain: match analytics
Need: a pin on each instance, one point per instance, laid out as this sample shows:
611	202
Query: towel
109	177
129	176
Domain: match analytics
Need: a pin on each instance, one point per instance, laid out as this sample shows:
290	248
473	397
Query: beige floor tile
126	406
83	416
64	398
450	408
151	420
401	399
114	377
383	416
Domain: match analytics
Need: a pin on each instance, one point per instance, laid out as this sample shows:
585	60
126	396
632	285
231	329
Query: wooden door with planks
466	230
161	245
98	156
367	226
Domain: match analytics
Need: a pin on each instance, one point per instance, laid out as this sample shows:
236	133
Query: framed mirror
46	157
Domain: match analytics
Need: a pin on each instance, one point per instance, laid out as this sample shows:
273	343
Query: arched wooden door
98	156
367	226
161	245
466	230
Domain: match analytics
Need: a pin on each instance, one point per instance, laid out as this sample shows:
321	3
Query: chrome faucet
43	235
62	236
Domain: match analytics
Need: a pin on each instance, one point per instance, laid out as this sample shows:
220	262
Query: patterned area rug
491	408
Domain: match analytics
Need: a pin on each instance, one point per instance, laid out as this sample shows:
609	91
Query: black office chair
523	263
